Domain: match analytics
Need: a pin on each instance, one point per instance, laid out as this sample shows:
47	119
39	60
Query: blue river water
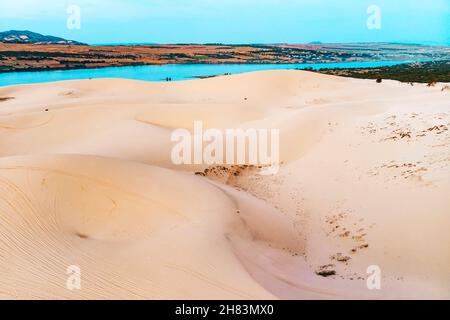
175	72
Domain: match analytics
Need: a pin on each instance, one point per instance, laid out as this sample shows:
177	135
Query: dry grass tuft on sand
5	98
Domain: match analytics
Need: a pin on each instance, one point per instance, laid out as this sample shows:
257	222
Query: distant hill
15	36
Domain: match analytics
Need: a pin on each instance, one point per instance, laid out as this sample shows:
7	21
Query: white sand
90	183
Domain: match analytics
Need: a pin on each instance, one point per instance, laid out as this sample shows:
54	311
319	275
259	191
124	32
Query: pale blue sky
233	21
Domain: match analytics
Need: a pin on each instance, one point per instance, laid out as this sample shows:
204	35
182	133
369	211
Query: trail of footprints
431	129
353	232
408	127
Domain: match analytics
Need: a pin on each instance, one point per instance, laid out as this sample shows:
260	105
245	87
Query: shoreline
181	72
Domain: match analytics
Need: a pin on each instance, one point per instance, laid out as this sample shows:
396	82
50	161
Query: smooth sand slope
86	179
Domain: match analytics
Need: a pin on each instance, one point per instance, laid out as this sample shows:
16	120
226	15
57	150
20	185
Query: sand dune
86	179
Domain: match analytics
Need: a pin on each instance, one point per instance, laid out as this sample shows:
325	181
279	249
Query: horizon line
270	43
315	42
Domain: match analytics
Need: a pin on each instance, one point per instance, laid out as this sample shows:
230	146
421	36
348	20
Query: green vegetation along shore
422	72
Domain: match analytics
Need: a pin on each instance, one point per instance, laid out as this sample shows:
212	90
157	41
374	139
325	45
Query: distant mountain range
15	36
